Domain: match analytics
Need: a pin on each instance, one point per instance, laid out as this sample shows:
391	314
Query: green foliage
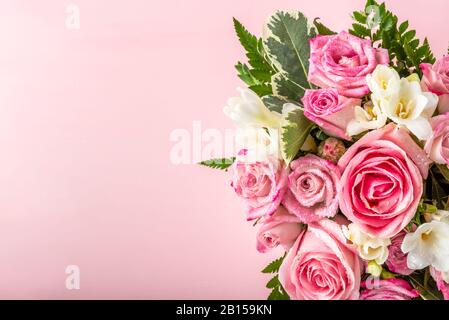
277	291
382	27
321	28
273	266
276	103
426	286
294	133
221	163
286	42
258	72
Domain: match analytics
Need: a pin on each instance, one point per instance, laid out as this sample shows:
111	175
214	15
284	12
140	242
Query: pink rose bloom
390	289
382	181
282	229
397	260
321	265
343	61
330	111
442	285
312	189
437	147
261	184
436	80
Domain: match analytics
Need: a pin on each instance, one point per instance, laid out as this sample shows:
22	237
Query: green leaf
273	267
286	41
444	171
360	31
403	27
248	41
360	17
219	163
322	29
273	283
426	287
261	89
276	103
294	133
286	88
278	293
260	73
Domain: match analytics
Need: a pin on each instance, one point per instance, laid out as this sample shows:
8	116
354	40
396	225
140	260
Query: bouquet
343	154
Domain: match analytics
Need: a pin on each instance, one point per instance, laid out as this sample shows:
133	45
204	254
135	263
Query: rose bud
331	149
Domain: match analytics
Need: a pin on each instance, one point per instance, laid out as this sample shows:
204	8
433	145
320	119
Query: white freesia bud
369	117
428	246
248	110
411	108
368	247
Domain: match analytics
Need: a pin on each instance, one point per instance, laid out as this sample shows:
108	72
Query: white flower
441	215
258	143
428	246
369	117
411	107
248	110
383	82
368	247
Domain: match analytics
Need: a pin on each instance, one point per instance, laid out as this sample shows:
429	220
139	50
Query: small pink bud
331	149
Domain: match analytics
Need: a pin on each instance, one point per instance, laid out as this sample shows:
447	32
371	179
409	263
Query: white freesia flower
258	143
368	247
411	107
428	246
383	82
248	110
369	117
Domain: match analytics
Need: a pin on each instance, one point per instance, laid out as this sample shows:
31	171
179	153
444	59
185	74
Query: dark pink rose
436	80
342	62
261	184
390	289
382	181
331	111
321	265
437	147
312	189
281	229
397	260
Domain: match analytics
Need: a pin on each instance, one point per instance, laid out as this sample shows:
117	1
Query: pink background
85	119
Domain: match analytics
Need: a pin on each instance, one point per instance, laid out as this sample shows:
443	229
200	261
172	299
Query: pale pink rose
437	147
343	61
390	289
397	260
442	285
321	265
281	229
382	181
436	80
261	184
312	189
331	111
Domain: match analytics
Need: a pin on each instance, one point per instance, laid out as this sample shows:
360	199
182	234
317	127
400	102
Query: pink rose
282	229
312	189
321	265
343	61
382	181
390	289
436	80
437	147
330	111
442	285
397	260
261	184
